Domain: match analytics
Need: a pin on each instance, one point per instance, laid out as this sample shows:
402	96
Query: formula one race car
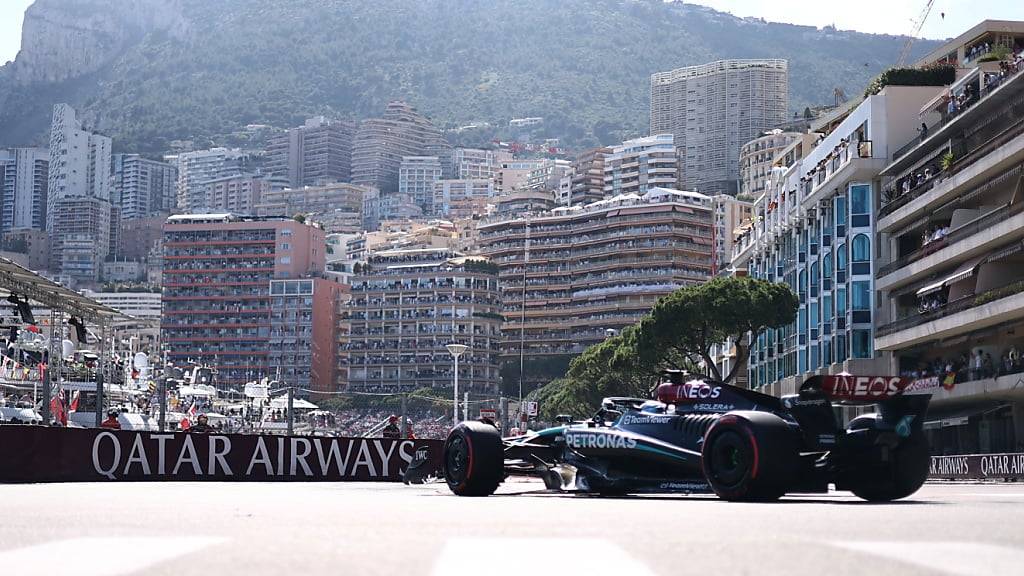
700	435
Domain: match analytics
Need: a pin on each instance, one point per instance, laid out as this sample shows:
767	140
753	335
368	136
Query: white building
451	192
416	178
638	165
712	110
78	198
474	163
23	183
143	187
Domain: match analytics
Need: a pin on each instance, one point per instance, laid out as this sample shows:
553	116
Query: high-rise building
814	229
304	319
197	168
318	152
238	194
757	156
78	198
381	143
219	281
24	174
416	178
950	224
142	187
712	110
587	183
593	269
407	305
635	166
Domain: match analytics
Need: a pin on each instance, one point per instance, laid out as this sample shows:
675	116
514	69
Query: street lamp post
456	350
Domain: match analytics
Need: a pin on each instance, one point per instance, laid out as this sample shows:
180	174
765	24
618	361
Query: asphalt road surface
182	529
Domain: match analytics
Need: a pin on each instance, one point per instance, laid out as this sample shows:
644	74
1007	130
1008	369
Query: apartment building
197	168
24	174
587	180
571	275
637	165
381	143
712	110
416	178
951	232
303	345
731	215
318	152
218	308
473	164
757	157
337	207
143	188
513	174
407	305
814	230
238	194
462	195
78	198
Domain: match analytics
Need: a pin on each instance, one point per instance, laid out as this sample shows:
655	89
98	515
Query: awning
961	83
965	271
940	99
958	416
931	288
1005	252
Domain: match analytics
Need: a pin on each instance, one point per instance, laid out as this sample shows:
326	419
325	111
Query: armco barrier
978	467
39	454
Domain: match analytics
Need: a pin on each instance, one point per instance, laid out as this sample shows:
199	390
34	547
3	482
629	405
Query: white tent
298	403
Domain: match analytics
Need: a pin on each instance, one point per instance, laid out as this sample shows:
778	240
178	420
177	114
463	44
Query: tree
689	322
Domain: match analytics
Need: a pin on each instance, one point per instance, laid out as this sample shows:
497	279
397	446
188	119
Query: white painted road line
474	556
98	556
958	558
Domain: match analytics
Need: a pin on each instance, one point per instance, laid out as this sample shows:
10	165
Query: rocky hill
150	71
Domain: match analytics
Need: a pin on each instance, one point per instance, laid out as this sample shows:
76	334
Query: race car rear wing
869	389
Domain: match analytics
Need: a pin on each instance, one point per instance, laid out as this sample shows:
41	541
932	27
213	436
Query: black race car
700	435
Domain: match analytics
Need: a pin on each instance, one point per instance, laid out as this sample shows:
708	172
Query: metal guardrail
950	308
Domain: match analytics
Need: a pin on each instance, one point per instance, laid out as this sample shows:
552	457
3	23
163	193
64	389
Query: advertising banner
978	467
40	454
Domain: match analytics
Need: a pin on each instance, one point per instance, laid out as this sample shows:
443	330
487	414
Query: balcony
983	233
980	139
965	314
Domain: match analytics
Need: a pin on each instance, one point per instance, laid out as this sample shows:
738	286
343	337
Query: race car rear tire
903	474
750	457
474	459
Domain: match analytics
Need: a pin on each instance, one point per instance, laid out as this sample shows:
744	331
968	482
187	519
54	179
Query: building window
860	202
841	257
826	266
861	248
840	210
860	341
841	301
862	295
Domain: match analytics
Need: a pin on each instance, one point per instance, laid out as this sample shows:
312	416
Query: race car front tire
901	475
750	456
474	459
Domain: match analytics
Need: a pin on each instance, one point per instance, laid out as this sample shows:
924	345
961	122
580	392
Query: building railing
964	154
950	308
969	229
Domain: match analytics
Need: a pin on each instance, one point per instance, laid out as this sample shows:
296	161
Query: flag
193	410
74	400
57	410
185	424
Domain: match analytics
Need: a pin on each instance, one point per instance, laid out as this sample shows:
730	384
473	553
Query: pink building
217	306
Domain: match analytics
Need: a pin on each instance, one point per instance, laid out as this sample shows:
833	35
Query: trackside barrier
1008	466
41	454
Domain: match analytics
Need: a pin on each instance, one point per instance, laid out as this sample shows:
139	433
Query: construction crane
905	51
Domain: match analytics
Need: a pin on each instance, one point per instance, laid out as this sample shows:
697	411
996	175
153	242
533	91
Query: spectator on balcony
988	366
924	131
976	365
